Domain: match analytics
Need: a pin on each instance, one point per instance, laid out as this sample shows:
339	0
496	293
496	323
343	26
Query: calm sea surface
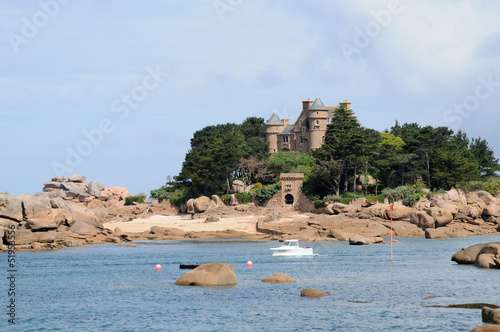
111	288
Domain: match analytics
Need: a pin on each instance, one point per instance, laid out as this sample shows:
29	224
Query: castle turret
273	127
346	104
317	115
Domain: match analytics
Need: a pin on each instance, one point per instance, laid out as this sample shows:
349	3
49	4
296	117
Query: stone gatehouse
291	188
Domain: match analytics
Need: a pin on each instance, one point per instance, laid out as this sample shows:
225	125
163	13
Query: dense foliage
139	199
408	154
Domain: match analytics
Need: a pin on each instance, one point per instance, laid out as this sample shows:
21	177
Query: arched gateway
291	188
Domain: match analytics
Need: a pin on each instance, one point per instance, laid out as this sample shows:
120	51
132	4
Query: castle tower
346	104
317	115
273	127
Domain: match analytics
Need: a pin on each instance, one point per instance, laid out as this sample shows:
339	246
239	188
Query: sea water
114	288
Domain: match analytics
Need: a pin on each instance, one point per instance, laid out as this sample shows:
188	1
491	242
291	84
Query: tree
254	132
213	157
487	163
289	162
342	141
369	151
451	167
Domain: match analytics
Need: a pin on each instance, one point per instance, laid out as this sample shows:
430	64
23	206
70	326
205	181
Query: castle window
303	129
285	139
317	122
323	139
301	140
317	113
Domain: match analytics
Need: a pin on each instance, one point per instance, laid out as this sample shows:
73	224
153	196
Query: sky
114	90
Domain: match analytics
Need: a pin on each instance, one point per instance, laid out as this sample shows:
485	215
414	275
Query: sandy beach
184	222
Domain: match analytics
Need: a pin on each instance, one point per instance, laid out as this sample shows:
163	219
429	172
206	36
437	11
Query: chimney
306	104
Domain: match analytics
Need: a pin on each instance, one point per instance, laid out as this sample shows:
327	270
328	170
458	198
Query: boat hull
292	251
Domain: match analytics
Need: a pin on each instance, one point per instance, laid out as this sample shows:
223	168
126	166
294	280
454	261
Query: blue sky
114	90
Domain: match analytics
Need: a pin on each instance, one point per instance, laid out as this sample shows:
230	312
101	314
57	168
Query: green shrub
129	200
226	199
375	199
346	200
470	186
318	204
244	198
266	192
331	198
406	195
178	198
492	186
161	194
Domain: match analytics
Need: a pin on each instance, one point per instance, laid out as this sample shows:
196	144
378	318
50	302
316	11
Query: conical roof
318	105
274	120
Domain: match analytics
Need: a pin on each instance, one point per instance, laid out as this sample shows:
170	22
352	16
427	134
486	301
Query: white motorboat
291	248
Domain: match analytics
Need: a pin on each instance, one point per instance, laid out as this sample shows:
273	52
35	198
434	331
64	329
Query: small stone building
291	188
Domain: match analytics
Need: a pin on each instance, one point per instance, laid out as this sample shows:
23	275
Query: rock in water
490	315
486	328
311	292
278	278
210	274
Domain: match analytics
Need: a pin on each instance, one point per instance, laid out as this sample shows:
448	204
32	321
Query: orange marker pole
391	231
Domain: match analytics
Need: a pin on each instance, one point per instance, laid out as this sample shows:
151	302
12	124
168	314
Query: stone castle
307	133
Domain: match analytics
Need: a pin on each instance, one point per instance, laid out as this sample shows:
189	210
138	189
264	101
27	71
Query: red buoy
158	267
249	263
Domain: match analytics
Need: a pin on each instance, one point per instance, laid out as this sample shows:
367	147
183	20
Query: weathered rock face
37	225
490	315
233	200
311	292
74	189
201	204
45	224
11	207
278	278
82	228
486	328
384	211
487	197
491	213
77	178
190	205
485	255
489	256
238	186
94	189
436	233
467	255
210	274
357	239
35	207
422	220
218	202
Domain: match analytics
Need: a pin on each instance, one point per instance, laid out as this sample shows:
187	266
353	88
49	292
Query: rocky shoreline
42	222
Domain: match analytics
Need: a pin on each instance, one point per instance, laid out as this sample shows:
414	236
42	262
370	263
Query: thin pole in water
391	230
